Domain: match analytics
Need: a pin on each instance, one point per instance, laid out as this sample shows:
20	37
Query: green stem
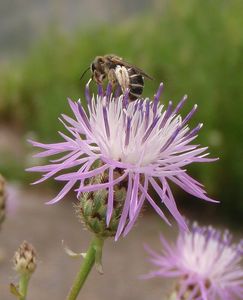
98	254
88	262
23	285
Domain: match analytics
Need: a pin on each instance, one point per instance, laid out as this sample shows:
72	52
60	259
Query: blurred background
194	47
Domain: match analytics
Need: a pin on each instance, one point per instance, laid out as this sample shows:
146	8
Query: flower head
205	262
25	259
134	144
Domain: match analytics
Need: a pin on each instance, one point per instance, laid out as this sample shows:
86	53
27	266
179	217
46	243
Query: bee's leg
112	78
97	77
122	77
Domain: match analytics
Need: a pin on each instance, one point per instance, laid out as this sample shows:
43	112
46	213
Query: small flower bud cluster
25	259
2	199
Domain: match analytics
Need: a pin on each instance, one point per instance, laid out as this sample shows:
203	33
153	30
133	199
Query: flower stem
23	285
88	262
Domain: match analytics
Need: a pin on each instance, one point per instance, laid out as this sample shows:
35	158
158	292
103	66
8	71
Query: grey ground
46	226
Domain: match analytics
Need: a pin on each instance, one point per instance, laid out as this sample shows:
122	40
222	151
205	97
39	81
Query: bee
118	72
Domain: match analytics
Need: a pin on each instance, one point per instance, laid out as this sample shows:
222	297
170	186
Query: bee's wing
120	61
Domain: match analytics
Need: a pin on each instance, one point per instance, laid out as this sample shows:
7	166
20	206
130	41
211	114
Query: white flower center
139	148
209	258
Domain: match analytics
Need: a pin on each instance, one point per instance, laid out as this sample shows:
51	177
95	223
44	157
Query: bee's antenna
84	73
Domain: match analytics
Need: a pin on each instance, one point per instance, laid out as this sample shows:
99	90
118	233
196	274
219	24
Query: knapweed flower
131	144
205	263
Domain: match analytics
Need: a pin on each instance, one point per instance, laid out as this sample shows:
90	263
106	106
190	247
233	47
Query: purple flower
141	140
205	262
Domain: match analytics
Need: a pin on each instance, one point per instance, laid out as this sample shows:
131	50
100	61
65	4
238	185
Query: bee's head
98	64
98	69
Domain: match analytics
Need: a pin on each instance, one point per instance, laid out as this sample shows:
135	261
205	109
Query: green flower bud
25	259
92	208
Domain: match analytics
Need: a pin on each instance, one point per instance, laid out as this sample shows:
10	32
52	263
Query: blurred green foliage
194	47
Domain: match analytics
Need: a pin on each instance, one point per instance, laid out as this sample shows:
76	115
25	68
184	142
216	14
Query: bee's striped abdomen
136	84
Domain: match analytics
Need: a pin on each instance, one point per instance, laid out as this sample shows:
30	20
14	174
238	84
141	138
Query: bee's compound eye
92	67
100	61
